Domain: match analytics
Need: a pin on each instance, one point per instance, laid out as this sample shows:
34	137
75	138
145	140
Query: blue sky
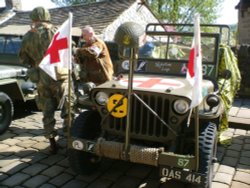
228	12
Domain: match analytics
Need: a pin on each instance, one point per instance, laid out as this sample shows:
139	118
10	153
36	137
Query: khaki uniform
95	62
51	93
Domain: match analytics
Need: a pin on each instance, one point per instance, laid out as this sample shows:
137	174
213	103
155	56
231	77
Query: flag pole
69	75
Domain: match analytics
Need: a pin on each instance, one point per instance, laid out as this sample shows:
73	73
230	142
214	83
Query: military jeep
15	86
143	114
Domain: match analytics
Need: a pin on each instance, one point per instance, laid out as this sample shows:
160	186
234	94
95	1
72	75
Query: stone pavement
26	163
239	115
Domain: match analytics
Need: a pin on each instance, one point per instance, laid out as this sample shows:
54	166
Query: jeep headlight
101	98
181	106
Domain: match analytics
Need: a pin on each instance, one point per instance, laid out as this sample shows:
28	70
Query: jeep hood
178	86
11	71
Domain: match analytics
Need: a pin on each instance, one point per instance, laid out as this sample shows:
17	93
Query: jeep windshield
9	44
166	51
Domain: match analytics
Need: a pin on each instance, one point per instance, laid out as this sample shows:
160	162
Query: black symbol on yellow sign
117	105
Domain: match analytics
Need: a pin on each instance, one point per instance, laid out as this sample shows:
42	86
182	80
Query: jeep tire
208	147
6	112
86	126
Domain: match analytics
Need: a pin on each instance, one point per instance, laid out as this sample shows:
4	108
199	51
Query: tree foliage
182	11
172	11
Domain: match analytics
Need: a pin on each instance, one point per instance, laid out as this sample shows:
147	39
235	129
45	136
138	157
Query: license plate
182	175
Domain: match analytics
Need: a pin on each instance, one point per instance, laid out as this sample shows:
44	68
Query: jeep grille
144	124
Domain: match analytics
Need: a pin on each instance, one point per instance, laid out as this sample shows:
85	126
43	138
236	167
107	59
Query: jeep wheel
6	112
86	125
207	148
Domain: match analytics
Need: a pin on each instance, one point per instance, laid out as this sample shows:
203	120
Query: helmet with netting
40	14
128	34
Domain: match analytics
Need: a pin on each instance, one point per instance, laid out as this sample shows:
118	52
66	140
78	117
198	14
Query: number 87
183	162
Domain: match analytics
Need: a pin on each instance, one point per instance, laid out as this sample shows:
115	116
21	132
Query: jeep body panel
12	71
144	113
158	84
14	81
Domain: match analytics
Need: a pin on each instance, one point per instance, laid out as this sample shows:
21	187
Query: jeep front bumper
171	165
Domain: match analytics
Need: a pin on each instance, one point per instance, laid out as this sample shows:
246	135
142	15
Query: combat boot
53	146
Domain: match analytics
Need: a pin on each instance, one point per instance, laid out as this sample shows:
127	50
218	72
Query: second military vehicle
15	87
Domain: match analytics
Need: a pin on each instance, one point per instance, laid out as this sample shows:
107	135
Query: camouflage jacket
34	45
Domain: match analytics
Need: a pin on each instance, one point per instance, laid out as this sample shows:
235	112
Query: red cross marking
154	81
191	63
56	45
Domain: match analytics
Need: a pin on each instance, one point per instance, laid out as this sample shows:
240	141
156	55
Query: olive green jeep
142	115
15	86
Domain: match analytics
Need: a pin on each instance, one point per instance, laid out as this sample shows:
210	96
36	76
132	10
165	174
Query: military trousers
52	97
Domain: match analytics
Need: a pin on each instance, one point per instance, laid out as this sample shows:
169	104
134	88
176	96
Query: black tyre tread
86	126
8	111
88	132
207	144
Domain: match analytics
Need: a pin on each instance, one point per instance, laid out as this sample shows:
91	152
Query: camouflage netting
228	61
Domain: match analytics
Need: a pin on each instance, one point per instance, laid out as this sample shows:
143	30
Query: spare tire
6	112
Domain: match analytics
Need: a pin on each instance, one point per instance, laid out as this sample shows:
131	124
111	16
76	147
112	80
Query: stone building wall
243	55
243	52
244	26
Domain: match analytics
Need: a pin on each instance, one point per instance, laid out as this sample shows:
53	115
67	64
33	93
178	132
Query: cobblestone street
25	162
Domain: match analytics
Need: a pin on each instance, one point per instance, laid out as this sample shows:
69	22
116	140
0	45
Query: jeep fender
12	88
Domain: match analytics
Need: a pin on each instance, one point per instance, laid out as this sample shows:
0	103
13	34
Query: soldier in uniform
51	93
94	59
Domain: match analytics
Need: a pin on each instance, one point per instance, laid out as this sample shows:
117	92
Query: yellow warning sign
117	103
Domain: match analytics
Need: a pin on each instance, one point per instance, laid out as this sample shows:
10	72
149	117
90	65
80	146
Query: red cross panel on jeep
153	83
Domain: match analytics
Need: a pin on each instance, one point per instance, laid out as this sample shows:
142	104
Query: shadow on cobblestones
25	162
24	109
233	167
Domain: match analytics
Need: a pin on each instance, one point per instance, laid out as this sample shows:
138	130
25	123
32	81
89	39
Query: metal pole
69	76
197	125
130	92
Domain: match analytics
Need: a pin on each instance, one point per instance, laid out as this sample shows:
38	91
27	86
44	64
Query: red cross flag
58	53
194	71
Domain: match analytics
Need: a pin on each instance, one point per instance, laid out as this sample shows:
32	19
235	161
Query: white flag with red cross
194	71
58	53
